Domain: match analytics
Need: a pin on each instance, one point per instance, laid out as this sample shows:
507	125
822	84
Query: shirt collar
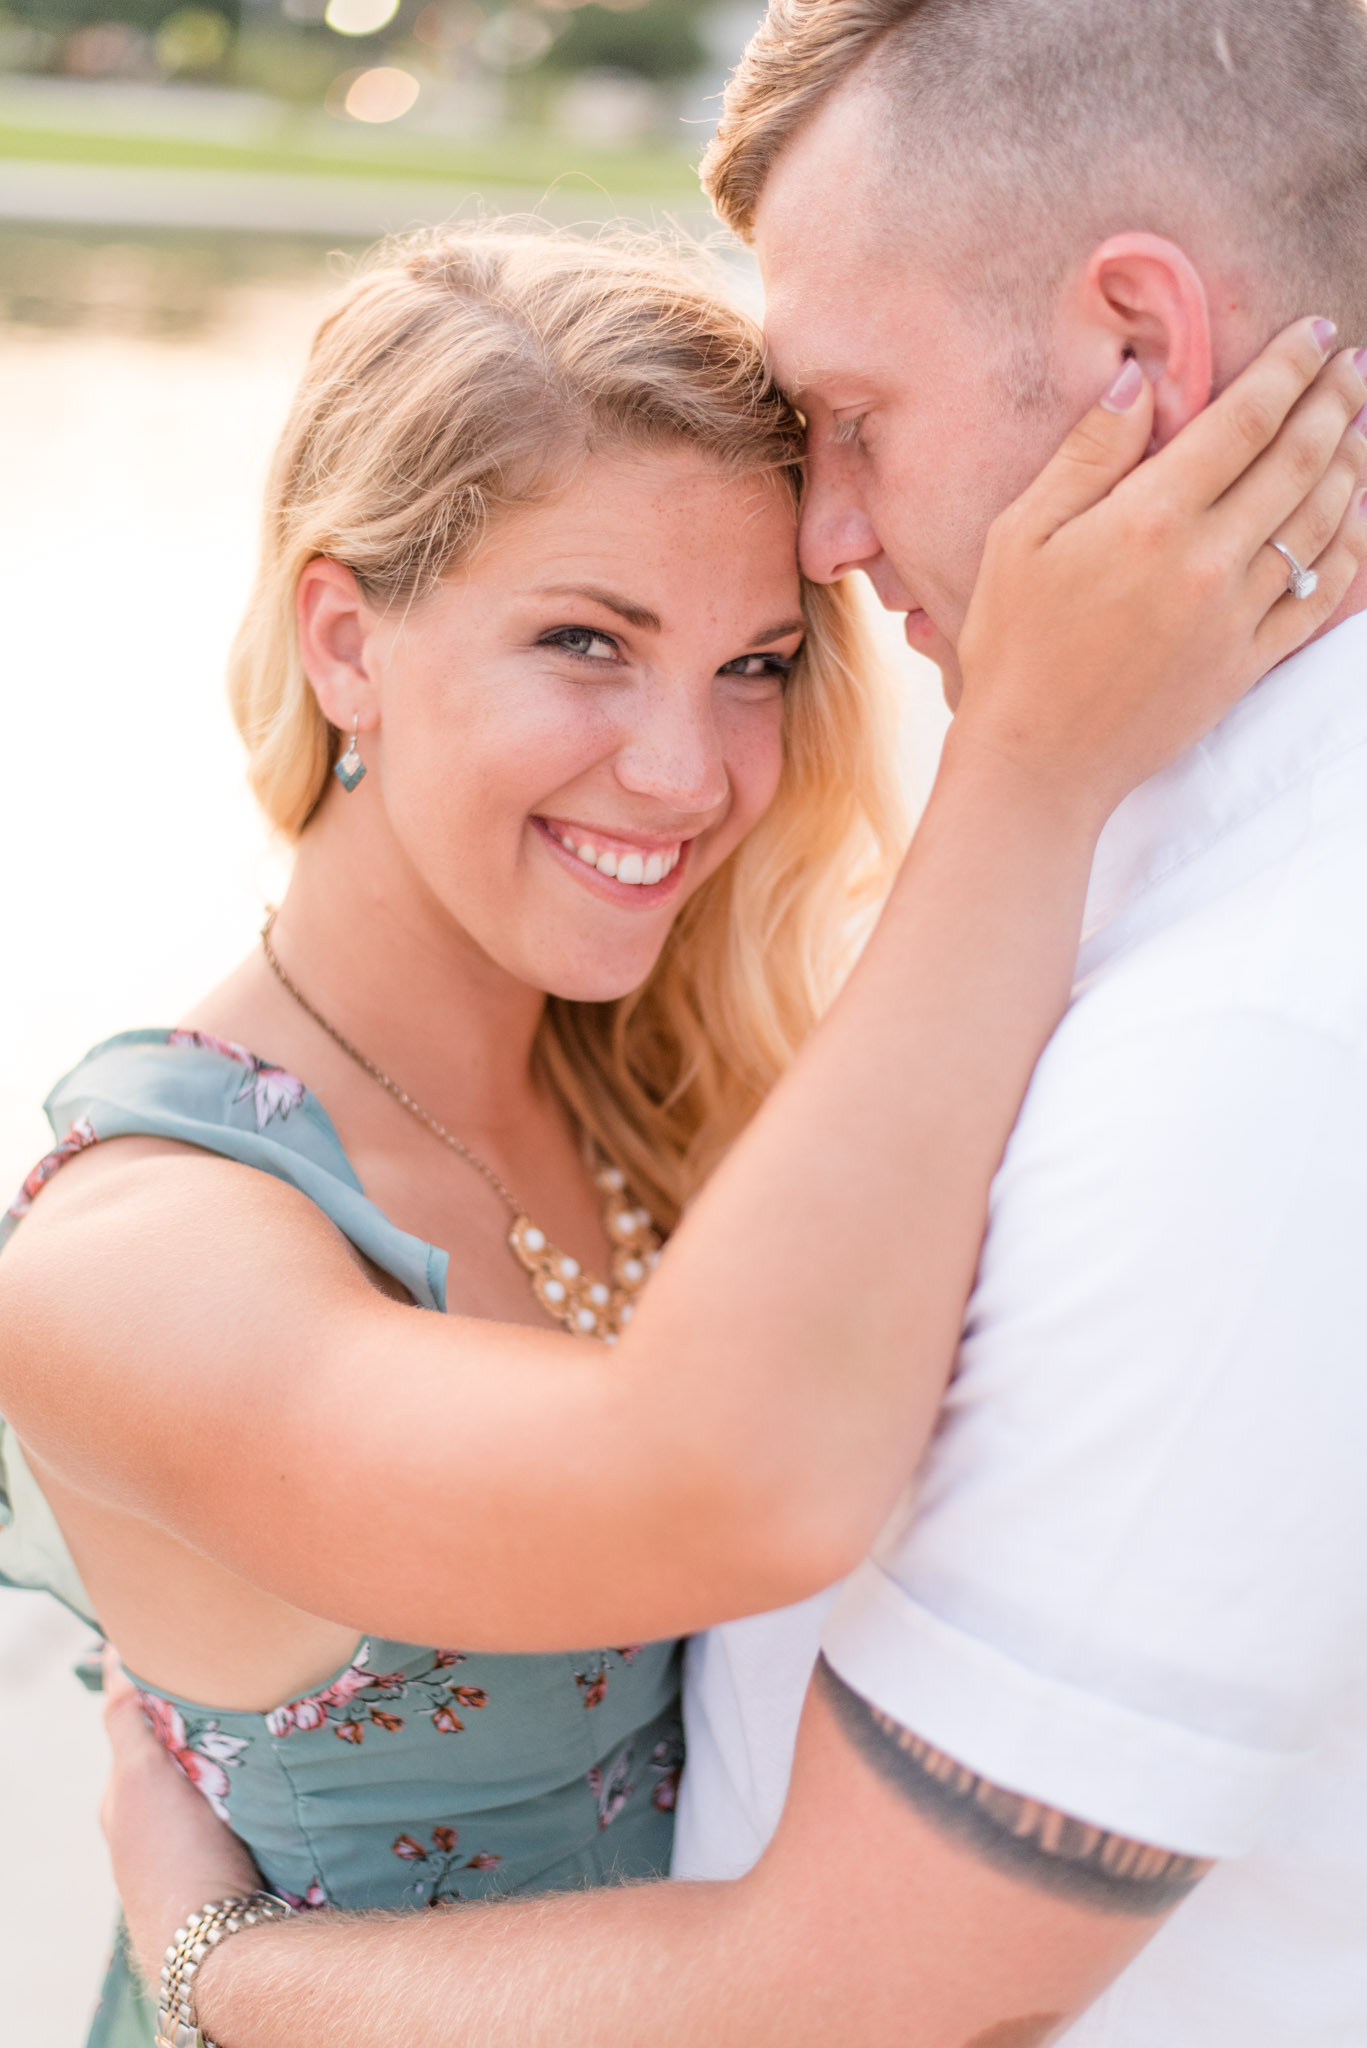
1305	712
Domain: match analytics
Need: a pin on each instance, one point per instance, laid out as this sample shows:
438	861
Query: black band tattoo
1036	2030
1036	1843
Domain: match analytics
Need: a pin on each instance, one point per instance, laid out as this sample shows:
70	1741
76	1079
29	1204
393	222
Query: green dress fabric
416	1774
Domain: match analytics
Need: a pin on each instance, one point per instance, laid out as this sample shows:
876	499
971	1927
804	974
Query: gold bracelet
177	2025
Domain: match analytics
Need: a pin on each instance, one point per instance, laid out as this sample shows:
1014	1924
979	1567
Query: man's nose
674	755
836	534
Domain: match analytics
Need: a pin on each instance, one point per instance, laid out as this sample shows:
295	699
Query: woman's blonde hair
461	372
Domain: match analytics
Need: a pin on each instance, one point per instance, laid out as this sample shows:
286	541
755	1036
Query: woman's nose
674	756
836	534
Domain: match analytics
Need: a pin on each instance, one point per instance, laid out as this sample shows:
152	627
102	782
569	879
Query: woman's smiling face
577	728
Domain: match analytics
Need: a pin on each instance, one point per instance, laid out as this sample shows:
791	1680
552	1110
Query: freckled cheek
754	764
484	762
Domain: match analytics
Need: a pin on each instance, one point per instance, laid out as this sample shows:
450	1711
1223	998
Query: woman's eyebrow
638	615
779	632
634	614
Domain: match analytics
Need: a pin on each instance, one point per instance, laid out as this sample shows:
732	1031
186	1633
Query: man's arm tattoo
1030	1841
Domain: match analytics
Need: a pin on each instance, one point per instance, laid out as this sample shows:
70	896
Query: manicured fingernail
1126	387
1362	506
1360	423
1360	361
1325	334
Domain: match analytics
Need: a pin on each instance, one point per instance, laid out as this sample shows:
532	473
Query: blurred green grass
530	158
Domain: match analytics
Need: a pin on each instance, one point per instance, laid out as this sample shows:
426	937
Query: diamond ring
1302	582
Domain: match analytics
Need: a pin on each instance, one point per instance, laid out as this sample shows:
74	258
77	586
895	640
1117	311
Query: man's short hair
1237	127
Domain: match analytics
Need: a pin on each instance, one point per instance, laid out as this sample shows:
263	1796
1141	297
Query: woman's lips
637	862
635	873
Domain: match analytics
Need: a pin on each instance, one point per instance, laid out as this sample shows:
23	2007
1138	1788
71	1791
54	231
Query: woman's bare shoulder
134	1245
145	1197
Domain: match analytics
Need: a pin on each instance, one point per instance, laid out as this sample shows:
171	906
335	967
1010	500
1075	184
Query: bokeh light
514	40
193	39
359	17
383	94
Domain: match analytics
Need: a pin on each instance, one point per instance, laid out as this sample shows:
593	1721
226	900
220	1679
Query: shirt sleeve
1130	1579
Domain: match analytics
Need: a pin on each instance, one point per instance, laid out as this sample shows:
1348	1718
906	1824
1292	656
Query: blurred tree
659	40
61	17
192	42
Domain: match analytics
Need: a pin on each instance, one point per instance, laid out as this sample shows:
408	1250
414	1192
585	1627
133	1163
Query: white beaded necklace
578	1300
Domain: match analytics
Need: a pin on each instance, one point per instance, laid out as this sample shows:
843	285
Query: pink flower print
207	1777
272	1091
307	1715
593	1683
353	1680
347	1704
201	1759
443	1862
313	1901
666	1760
437	1695
81	1135
165	1722
316	1708
611	1785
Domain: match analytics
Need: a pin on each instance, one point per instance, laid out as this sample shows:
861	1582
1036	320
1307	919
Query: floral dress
416	1775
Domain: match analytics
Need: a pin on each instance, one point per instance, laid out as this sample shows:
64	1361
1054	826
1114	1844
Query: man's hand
171	1854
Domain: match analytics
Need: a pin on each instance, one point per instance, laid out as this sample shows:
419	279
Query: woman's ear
1147	293
334	622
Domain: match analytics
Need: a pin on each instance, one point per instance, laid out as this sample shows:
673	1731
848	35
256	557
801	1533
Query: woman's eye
583	641
846	432
760	667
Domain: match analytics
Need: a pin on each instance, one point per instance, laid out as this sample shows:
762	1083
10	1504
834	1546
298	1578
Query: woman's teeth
637	870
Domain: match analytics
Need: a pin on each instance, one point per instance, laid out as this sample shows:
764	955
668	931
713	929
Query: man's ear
1147	295
333	621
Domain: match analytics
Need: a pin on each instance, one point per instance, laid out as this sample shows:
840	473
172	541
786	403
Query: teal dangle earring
350	770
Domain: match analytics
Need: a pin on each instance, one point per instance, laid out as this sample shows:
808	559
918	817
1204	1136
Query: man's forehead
847	331
846	284
824	304
803	357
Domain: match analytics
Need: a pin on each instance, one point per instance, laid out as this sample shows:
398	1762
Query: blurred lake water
145	377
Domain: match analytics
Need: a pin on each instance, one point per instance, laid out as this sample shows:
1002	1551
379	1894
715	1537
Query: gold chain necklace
585	1305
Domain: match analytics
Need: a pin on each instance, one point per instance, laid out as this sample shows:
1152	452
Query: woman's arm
441	1479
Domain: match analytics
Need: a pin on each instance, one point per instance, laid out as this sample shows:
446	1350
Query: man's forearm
518	1974
873	1919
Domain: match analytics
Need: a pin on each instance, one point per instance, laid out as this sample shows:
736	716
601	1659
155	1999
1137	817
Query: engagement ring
1303	582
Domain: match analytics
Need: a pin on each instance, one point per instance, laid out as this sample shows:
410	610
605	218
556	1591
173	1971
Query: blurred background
181	187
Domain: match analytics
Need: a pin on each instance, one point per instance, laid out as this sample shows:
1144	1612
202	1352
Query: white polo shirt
1131	1578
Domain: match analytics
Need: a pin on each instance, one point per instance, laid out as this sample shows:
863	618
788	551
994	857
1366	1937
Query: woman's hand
1124	606
171	1854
